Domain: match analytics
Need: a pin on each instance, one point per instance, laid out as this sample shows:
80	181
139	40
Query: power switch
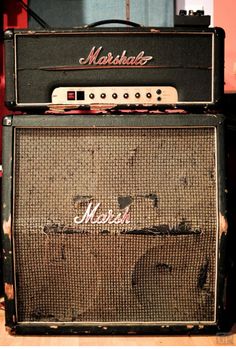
71	95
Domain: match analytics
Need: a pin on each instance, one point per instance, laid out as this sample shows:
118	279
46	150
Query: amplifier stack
114	211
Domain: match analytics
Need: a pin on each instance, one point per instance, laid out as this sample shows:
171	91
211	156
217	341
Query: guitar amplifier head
113	224
114	67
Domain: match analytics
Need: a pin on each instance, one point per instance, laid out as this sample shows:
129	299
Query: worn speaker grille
160	267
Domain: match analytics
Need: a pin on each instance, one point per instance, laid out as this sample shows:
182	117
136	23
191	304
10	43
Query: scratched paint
7	227
9	291
223	225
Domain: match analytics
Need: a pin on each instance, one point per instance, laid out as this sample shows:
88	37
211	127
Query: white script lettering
121	60
110	218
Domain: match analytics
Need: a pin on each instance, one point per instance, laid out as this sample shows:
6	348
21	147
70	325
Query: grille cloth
158	268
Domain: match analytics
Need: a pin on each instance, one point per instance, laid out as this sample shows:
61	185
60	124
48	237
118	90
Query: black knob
199	13
159	91
137	95
114	95
91	95
149	95
126	95
159	99
182	12
103	95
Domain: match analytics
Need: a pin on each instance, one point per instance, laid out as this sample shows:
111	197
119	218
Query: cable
34	15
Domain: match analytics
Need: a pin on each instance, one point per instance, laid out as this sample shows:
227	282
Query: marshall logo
95	58
91	216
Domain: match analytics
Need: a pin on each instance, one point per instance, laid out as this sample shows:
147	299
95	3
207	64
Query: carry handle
109	21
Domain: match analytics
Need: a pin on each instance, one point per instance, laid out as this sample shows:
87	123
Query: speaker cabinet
113	223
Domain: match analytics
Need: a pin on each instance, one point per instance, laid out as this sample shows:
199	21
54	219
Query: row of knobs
191	13
126	95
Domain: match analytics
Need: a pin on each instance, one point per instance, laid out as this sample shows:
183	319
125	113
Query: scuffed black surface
124	201
164	229
203	274
62	229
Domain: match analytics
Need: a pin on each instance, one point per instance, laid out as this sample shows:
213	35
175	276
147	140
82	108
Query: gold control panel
115	95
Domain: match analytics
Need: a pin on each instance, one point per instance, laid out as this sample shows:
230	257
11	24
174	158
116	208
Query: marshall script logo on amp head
94	58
